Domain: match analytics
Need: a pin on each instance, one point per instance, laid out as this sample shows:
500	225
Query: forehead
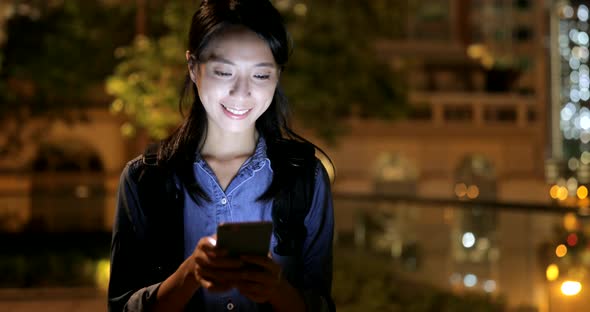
239	44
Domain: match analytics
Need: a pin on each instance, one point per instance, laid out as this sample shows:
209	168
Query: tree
55	59
147	80
334	72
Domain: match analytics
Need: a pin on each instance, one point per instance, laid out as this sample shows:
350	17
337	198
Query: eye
262	76
221	73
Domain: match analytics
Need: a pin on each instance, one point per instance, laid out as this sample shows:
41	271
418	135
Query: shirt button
224	201
230	306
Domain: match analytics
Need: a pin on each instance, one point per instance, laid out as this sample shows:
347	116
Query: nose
241	87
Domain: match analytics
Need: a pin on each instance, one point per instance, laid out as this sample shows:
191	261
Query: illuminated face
237	81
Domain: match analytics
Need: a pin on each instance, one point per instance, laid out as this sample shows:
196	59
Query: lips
235	113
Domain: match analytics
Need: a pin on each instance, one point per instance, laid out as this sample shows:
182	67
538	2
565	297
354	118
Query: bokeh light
573	47
567	11
561	251
102	273
476	51
127	129
552	272
570	222
554	191
582	192
468	240
572	239
572	183
455	279
472	191
300	9
583	13
489	286
483	243
470	280
562	193
460	190
571	288
573	163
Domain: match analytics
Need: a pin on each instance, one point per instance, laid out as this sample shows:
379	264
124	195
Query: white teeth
236	111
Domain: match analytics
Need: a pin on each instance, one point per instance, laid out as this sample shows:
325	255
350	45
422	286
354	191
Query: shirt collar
256	160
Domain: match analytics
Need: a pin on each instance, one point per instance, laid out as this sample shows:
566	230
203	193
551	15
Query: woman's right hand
211	267
207	267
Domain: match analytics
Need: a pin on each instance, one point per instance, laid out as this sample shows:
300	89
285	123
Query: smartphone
245	238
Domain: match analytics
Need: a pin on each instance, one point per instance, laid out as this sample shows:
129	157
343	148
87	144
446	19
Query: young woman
233	159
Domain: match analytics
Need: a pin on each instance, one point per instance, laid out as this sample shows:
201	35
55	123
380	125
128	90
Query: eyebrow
220	59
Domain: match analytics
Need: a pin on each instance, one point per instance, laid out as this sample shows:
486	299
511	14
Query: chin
236	129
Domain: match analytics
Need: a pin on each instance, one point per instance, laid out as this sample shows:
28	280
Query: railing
476	247
477	109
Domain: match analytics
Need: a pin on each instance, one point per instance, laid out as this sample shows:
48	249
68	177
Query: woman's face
237	81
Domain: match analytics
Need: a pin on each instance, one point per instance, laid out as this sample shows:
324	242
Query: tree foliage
55	58
335	71
146	82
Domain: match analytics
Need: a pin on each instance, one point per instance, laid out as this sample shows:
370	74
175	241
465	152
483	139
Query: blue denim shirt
313	270
239	203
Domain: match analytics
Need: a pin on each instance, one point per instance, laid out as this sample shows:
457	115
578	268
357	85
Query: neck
225	146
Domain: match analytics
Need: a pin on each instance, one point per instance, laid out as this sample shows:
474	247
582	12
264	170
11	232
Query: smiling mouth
238	112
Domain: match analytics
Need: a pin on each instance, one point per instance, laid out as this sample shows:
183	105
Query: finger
206	284
208	244
267	279
210	262
218	280
263	262
223	275
215	286
207	254
265	265
222	263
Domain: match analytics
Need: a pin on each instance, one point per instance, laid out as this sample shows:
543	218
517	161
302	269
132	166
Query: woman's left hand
261	278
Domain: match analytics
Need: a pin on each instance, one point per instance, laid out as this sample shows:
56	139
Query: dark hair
212	17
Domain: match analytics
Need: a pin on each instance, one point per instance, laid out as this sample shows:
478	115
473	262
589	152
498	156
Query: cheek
264	99
267	94
210	91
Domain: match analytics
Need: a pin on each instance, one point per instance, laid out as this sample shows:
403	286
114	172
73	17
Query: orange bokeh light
553	192
561	250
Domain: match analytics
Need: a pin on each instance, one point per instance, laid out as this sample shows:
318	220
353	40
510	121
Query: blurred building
479	76
75	165
49	165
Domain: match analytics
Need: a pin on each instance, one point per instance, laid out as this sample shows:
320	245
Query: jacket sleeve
317	248
131	286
